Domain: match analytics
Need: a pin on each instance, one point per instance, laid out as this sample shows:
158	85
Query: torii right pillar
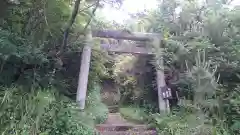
161	85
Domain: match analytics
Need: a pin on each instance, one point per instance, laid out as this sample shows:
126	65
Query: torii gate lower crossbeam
86	57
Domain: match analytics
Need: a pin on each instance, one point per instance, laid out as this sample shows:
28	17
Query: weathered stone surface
116	34
150	132
84	71
116	125
132	49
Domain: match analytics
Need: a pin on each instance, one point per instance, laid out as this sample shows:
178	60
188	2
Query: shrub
135	114
182	123
71	121
41	112
95	107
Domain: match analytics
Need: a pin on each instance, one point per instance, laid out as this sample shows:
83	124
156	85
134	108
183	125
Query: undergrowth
31	34
44	112
134	113
95	107
182	123
208	112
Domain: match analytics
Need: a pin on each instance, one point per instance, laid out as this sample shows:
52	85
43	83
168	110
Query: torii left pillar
84	71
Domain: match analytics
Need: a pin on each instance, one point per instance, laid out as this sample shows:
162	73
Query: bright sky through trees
129	6
133	6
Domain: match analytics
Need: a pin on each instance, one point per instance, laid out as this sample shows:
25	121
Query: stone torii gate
134	48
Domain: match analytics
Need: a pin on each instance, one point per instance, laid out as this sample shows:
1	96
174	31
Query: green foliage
71	121
95	107
133	76
41	112
184	122
134	114
205	113
31	33
210	82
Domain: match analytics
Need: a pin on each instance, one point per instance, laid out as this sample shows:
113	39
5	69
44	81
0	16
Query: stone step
115	114
113	109
116	125
149	132
116	118
112	127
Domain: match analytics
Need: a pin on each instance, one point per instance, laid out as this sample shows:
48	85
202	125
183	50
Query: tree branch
89	6
45	17
67	30
92	15
89	21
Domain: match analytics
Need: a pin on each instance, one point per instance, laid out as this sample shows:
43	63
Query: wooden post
84	71
163	103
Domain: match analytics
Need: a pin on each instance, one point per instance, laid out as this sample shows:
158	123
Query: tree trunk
69	25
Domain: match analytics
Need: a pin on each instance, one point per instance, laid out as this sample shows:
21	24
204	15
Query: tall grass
41	112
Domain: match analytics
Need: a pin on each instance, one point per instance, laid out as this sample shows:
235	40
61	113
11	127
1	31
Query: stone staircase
116	125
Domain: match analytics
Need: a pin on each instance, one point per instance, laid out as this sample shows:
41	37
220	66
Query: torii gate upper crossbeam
125	35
